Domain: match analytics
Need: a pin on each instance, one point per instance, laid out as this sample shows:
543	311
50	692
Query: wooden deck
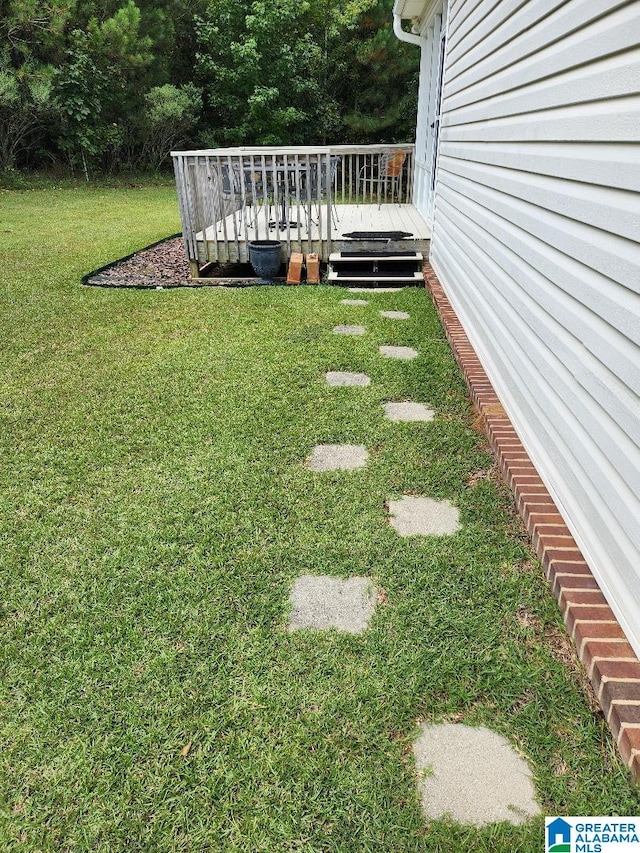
228	241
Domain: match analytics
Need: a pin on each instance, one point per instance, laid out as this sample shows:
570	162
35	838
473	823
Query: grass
61	178
155	510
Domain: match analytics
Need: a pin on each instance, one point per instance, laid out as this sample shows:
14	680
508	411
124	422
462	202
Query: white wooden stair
347	268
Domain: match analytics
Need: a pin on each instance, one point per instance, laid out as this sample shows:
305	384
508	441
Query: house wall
535	240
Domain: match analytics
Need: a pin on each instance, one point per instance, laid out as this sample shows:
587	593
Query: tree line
113	85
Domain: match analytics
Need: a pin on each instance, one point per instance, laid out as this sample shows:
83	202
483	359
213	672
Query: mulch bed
164	264
161	265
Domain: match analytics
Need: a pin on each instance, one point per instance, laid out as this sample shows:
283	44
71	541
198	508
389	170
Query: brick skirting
601	645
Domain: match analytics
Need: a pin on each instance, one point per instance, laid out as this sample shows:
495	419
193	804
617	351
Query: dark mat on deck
377	235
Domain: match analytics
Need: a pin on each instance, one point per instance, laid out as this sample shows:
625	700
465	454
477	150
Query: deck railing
373	174
231	196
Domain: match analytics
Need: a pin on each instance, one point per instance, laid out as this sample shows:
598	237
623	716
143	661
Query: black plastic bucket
265	258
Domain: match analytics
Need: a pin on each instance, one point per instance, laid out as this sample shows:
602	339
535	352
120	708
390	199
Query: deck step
339	276
376	266
351	257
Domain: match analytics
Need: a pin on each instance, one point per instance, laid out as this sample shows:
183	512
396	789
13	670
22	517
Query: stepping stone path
338	378
408	412
403	353
472	775
418	516
349	330
395	315
337	457
322	602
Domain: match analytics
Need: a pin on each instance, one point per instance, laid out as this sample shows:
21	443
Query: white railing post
309	202
329	198
188	233
214	202
298	182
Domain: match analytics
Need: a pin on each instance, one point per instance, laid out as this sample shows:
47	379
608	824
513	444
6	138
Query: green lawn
155	510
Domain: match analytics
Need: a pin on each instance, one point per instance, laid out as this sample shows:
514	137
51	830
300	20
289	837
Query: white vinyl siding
536	241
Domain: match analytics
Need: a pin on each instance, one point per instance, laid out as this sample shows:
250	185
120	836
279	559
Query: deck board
311	236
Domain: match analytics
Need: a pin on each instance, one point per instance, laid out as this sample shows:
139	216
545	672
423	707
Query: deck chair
232	190
327	178
387	173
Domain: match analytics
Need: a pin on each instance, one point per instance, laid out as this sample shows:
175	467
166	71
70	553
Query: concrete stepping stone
354	301
375	289
417	516
395	315
472	775
403	353
322	602
349	330
337	457
340	378
408	412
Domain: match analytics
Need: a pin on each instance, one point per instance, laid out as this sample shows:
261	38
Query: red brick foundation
601	645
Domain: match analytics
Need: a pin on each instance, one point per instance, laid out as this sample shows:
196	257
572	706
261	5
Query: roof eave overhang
419	12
